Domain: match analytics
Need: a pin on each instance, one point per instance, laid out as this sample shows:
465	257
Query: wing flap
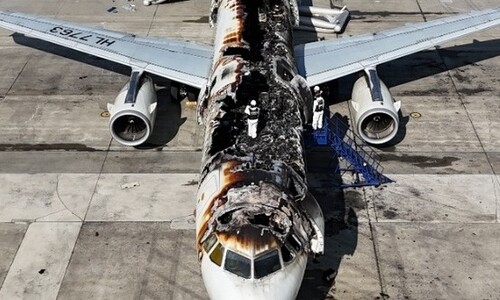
323	61
180	61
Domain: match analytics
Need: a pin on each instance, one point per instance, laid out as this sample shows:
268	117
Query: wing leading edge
323	61
184	62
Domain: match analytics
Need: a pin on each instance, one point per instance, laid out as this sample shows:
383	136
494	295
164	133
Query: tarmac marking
39	266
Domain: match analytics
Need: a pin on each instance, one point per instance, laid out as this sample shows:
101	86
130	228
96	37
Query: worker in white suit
253	118
318	109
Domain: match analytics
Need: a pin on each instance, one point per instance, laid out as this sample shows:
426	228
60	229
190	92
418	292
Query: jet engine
133	112
375	113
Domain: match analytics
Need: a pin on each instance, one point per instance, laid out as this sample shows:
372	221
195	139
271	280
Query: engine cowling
375	113
134	111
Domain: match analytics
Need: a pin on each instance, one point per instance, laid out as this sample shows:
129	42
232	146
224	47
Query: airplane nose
280	285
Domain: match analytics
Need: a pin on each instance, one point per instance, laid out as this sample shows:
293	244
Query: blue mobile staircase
355	157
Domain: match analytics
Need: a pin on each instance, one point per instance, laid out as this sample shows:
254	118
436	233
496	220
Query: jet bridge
358	162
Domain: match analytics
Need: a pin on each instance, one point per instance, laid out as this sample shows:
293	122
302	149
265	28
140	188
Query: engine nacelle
133	112
375	113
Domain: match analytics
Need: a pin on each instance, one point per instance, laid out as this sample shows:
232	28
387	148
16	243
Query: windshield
286	254
267	264
217	253
209	243
237	264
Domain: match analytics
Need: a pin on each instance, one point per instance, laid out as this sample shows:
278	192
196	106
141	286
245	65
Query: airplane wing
323	61
184	62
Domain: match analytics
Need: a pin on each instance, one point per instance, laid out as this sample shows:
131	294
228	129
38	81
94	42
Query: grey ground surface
82	217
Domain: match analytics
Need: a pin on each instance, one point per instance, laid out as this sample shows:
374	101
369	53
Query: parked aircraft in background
256	221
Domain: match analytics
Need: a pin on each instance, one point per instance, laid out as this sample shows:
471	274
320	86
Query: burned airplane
253	204
256	222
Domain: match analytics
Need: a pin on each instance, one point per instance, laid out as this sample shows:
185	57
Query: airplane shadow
424	64
341	239
431	62
168	117
341	222
414	67
400	135
168	120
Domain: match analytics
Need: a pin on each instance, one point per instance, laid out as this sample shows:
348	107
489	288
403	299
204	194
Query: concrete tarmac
82	217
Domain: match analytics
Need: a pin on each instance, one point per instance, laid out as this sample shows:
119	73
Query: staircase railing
355	156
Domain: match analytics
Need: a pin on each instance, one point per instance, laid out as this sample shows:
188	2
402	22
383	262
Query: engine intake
133	112
374	109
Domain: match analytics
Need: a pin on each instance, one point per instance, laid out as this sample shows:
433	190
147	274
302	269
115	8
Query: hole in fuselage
261	219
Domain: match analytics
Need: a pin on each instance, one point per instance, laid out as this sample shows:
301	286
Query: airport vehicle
149	2
256	221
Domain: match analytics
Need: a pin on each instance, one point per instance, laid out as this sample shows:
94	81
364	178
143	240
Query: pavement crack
374	240
18	75
49	214
175	263
183	217
98	178
62	202
496	184
148	270
38	106
152	20
421	11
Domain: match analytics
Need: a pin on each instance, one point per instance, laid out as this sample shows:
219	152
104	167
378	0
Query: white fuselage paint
282	285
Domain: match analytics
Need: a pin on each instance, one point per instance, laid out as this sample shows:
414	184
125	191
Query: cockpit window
209	243
267	264
287	254
237	264
217	253
226	72
294	242
283	70
213	83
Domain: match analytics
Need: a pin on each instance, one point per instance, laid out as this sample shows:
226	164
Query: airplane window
237	264
283	71
216	255
286	254
209	243
213	83
226	72
292	239
267	264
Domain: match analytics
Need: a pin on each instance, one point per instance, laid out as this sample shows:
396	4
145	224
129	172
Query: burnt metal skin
257	182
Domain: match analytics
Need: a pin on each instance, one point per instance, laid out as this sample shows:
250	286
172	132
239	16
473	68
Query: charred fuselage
255	183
